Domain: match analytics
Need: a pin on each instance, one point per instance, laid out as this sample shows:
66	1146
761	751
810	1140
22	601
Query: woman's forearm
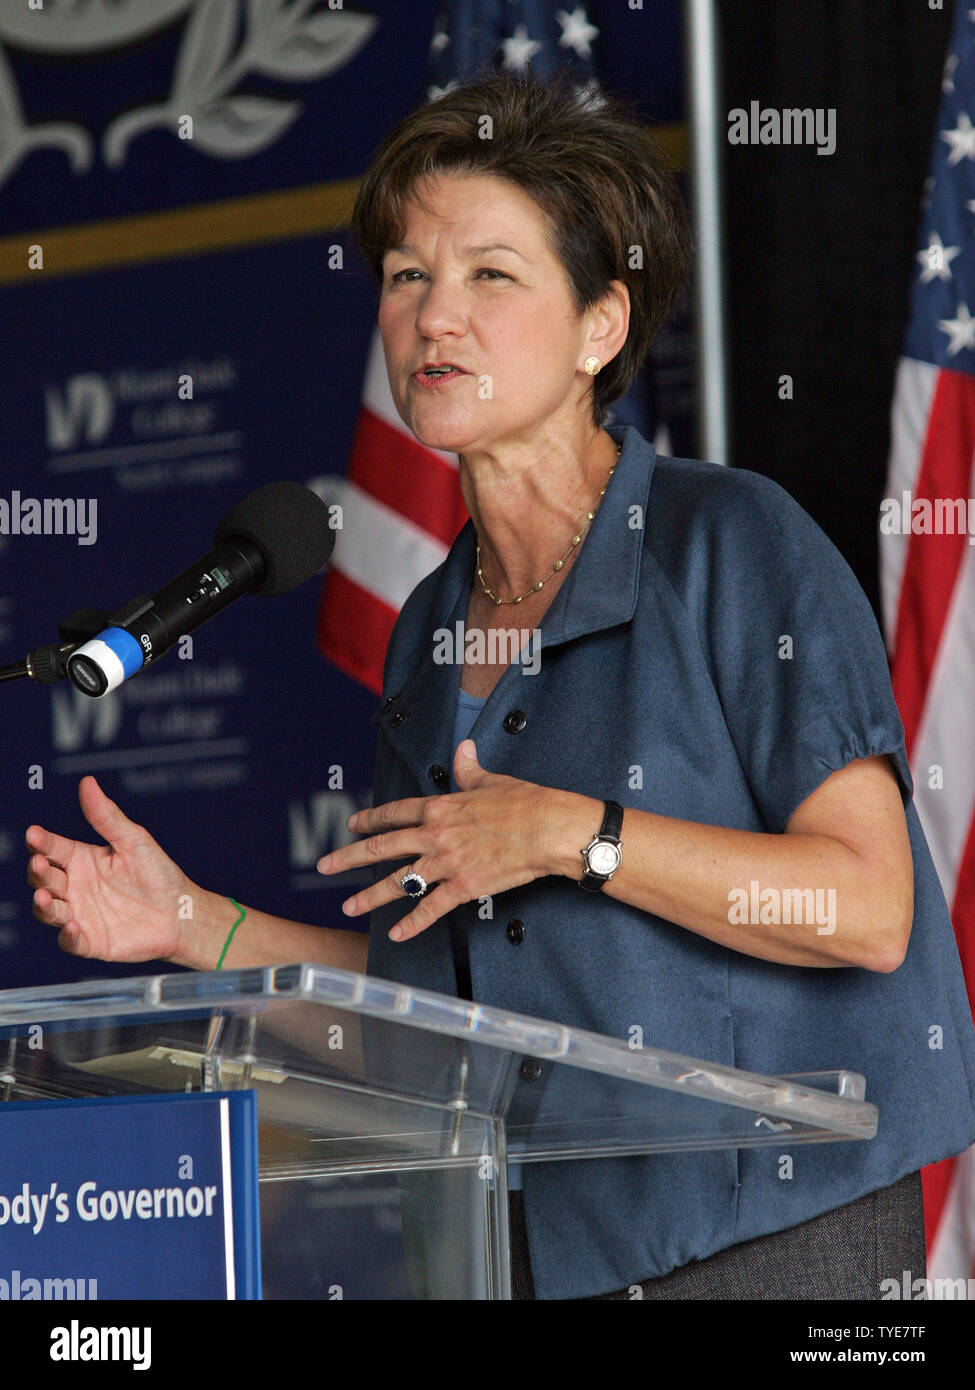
731	885
262	939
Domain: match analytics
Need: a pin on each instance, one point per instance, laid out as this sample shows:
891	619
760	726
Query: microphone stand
49	663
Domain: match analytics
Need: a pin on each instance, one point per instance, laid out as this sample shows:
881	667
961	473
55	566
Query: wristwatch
604	852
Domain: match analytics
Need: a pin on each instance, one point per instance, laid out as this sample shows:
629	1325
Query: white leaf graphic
206	44
320	44
10	157
242	125
11	111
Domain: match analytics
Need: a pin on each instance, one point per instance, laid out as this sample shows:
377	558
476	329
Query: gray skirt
844	1253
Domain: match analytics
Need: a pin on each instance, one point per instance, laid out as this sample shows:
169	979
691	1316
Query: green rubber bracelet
226	944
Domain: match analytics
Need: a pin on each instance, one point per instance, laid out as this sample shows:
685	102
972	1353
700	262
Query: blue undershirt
468	708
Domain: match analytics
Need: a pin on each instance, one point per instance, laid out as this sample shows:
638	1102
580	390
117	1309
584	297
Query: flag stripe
951	1249
964	911
913	393
380	551
945	782
354	628
407	477
937	1186
933	561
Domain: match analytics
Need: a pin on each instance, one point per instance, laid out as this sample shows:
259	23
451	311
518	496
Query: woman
693	728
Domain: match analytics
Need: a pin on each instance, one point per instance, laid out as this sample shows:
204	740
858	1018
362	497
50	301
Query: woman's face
504	316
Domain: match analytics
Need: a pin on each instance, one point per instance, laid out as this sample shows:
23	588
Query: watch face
604	858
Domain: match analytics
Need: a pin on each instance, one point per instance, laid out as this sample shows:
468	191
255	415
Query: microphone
270	541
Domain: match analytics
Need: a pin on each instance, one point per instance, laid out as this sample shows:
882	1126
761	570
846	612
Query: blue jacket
665	685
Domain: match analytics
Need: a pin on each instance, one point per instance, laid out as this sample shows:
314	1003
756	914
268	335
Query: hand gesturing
118	902
491	835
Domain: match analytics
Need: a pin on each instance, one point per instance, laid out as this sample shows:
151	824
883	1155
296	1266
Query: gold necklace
576	540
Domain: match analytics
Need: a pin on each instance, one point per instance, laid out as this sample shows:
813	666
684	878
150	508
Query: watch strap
612	821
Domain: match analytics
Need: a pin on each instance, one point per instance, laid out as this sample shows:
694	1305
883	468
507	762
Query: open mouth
429	376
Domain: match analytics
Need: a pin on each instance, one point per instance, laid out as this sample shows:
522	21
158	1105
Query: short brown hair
593	167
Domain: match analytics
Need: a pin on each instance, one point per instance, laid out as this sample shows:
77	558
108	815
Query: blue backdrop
226	757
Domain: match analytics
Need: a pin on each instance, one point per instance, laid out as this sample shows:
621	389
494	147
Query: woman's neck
528	507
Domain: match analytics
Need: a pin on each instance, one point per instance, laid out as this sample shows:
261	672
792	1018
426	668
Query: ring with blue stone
414	885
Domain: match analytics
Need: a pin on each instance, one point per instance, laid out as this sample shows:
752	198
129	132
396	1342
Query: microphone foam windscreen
289	525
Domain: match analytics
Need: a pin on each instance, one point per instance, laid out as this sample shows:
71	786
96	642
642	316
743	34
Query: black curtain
821	247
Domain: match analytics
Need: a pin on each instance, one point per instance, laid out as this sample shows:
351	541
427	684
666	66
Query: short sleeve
798	660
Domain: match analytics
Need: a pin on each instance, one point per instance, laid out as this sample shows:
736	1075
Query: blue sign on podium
141	1197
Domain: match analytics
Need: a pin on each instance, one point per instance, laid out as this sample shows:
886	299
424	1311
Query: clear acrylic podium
388	1115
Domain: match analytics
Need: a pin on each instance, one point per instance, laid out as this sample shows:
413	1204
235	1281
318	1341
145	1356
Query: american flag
927	549
402	504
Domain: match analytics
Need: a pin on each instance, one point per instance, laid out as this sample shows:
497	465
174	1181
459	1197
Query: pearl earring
593	365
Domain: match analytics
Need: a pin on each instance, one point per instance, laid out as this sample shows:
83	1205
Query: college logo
85	408
80	723
223	43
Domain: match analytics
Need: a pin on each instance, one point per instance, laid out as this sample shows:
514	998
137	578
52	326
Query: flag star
960	329
577	32
947	81
961	139
590	95
937	259
439	41
434	92
519	50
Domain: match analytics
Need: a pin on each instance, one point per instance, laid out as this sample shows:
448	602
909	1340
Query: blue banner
143	1197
